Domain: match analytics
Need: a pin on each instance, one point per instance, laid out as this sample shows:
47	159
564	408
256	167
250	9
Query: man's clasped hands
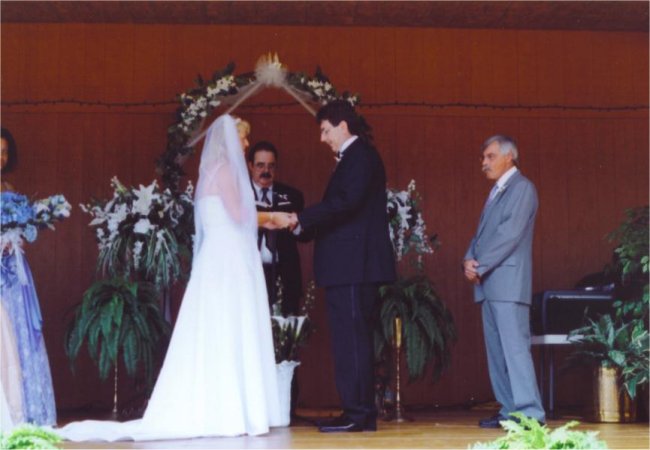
278	220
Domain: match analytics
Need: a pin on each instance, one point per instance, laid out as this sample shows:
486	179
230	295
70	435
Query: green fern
527	433
115	316
29	437
427	325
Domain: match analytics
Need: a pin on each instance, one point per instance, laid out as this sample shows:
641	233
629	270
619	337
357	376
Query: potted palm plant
118	317
426	326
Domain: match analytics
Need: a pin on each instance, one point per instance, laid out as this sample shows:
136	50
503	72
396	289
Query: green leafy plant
527	433
621	340
611	343
29	436
428	328
630	264
117	315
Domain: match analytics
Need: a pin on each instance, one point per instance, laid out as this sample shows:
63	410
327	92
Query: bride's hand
277	220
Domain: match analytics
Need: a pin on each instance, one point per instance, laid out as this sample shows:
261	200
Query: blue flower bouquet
22	219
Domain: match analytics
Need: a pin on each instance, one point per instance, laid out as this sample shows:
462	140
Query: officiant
278	248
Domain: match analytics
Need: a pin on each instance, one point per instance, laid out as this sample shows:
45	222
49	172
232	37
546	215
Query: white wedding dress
219	376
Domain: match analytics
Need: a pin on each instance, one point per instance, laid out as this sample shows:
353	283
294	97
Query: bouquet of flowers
22	219
142	231
406	225
291	332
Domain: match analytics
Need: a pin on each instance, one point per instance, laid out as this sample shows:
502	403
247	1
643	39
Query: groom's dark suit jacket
283	244
350	224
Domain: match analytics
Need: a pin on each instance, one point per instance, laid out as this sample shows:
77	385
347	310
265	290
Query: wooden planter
611	401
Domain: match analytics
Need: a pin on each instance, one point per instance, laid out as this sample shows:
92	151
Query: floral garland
200	102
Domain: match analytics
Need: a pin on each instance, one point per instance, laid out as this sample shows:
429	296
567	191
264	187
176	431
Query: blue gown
21	303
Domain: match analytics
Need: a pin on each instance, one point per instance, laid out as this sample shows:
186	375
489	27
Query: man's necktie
493	193
265	196
263	235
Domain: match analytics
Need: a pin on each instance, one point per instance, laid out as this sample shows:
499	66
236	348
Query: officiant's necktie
265	196
262	237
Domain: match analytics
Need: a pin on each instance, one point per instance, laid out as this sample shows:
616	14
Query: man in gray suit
499	265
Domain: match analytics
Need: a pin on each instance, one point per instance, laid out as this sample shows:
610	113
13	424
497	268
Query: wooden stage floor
438	430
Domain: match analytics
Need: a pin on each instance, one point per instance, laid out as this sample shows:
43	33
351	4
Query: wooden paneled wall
588	165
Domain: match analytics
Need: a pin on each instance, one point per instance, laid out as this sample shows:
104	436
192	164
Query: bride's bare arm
228	189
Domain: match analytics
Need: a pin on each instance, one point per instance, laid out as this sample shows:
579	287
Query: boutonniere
282	199
263	205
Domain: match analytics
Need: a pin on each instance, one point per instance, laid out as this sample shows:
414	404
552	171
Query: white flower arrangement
291	332
408	232
139	231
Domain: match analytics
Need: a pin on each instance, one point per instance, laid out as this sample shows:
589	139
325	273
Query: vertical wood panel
578	68
587	167
71	65
14	54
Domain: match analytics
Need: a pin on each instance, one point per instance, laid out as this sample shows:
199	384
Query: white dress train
219	376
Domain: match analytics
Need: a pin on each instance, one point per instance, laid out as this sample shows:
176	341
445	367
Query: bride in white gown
218	378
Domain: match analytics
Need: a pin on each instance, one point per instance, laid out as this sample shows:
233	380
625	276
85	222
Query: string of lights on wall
364	105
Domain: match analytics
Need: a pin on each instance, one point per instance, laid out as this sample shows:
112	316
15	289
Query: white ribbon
11	241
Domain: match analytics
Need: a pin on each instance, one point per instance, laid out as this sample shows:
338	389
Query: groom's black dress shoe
344	424
491	422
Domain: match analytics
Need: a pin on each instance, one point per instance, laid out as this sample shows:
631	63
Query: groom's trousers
352	316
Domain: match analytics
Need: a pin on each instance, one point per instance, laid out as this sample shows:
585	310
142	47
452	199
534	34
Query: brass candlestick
114	412
397	345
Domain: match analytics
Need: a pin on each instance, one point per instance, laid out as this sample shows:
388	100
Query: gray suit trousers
506	328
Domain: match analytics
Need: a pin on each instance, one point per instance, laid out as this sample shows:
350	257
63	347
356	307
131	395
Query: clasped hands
277	220
470	269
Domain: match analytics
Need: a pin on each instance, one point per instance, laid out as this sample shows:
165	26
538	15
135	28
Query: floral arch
224	87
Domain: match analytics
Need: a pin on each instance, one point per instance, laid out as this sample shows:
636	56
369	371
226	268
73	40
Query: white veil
223	173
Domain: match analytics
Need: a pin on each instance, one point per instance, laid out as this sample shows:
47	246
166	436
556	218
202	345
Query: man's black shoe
491	422
343	423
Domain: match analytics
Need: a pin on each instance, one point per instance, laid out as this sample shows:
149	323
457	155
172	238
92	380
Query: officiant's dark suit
353	255
280	255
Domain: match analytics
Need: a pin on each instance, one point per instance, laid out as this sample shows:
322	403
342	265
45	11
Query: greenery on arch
198	103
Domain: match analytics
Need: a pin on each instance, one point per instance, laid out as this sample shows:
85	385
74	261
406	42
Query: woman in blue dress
20	302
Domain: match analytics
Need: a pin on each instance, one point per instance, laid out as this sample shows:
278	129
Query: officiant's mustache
266	175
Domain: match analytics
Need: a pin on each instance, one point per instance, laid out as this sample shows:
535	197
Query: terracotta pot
611	401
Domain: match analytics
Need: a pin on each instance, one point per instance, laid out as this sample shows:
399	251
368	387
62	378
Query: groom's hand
293	221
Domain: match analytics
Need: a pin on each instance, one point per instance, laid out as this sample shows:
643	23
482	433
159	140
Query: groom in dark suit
352	257
278	248
499	264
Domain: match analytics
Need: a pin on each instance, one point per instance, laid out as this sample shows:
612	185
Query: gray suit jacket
503	244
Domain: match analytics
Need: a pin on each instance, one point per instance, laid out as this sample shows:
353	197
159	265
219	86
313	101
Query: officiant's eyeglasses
262	166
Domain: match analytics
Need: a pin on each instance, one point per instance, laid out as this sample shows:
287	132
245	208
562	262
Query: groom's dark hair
338	111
